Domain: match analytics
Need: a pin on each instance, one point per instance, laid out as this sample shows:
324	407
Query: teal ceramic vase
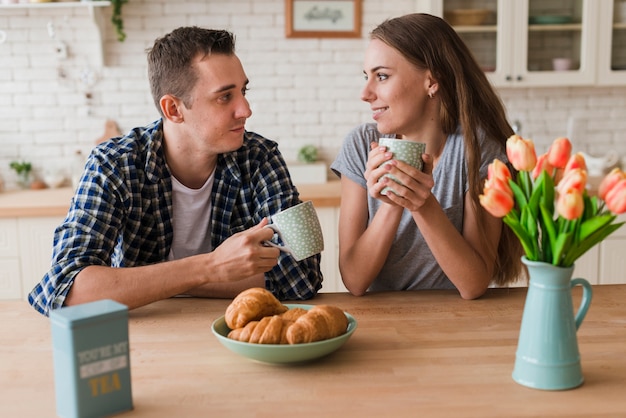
547	354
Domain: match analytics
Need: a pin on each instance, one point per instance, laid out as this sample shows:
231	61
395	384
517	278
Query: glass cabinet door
525	43
560	43
476	22
612	44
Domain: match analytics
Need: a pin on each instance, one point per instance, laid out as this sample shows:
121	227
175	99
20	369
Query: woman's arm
362	249
467	260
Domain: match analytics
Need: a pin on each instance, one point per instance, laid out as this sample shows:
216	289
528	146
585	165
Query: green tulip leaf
519	195
593	224
562	243
586	244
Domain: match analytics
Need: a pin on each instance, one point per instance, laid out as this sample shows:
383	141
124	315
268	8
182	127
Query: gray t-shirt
410	264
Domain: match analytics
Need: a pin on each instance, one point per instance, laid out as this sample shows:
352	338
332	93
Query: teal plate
282	353
549	20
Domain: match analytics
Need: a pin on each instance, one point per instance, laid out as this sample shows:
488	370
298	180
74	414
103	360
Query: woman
423	85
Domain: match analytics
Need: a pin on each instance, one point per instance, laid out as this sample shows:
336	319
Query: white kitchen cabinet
587	266
516	53
612	260
25	250
36	235
9	260
612	43
329	219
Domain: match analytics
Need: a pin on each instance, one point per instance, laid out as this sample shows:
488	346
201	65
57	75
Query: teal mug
404	150
299	229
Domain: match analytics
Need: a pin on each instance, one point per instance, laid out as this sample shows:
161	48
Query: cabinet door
329	219
549	32
612	264
36	235
517	44
612	43
10	286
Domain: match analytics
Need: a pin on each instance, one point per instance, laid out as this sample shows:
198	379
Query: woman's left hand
416	185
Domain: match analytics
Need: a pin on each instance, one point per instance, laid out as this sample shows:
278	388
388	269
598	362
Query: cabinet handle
519	78
508	78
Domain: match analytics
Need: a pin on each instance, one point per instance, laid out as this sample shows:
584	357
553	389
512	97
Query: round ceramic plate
282	353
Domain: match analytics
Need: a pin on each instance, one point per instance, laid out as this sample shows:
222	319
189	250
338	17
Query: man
179	206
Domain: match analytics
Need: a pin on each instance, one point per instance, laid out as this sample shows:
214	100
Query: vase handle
585	301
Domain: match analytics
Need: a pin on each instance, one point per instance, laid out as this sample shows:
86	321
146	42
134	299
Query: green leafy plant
22	168
307	154
116	19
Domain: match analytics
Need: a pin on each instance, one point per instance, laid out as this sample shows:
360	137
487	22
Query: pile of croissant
256	316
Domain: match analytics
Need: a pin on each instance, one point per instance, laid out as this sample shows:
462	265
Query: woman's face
396	90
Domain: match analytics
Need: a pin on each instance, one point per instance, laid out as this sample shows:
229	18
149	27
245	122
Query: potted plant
22	169
308	169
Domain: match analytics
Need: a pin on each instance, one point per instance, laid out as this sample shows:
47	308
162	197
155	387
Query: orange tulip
496	202
575	179
498	169
610	181
576	161
499	184
570	204
521	153
542	164
616	198
559	152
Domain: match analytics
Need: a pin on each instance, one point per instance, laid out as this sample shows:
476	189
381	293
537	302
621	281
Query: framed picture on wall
323	18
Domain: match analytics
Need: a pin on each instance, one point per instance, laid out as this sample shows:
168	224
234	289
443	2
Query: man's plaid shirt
120	215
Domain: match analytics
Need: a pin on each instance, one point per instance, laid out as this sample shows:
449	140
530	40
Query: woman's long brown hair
467	99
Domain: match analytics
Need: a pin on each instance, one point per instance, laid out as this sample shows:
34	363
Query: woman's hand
416	185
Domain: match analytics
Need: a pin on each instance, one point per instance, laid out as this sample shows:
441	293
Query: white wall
303	91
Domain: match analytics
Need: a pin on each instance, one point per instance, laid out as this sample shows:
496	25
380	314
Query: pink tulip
542	165
616	198
496	202
576	161
497	169
570	204
575	179
521	153
609	182
559	152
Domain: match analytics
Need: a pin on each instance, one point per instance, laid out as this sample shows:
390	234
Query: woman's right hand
374	170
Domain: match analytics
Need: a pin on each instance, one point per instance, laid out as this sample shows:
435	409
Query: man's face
218	109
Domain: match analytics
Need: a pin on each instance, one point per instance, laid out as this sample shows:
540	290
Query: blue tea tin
91	359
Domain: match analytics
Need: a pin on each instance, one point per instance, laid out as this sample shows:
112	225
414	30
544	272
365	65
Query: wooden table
425	353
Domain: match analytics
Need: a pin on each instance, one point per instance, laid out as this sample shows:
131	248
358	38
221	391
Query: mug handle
284	248
585	301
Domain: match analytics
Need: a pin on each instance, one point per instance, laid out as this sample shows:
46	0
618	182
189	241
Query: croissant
269	330
252	305
320	323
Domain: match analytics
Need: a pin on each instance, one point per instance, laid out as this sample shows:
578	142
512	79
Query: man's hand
244	254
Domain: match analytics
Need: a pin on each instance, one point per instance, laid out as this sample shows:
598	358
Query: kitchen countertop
55	202
414	353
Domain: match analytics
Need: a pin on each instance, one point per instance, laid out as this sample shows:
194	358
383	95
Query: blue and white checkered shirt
121	216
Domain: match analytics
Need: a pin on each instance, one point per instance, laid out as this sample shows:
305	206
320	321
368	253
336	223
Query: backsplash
302	91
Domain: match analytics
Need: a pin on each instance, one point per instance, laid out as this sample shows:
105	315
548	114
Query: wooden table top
426	353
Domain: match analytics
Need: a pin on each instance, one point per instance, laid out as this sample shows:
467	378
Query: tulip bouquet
547	204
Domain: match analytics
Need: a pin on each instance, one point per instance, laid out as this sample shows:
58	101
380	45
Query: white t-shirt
191	219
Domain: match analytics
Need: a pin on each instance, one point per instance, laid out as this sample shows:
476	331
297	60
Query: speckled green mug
299	229
403	150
